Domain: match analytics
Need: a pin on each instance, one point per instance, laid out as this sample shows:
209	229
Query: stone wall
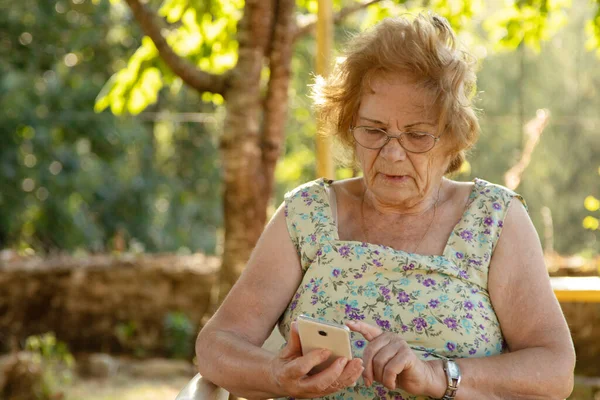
103	303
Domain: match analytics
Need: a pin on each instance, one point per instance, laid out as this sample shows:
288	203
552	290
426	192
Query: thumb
293	348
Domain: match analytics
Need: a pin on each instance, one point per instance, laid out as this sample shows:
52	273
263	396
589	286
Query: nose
393	150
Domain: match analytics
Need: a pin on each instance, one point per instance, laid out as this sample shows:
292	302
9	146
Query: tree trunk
240	145
254	129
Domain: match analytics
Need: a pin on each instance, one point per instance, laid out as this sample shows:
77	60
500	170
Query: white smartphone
316	334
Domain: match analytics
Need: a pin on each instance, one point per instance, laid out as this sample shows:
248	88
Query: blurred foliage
180	334
73	179
56	362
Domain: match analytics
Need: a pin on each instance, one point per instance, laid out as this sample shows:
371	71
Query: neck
415	208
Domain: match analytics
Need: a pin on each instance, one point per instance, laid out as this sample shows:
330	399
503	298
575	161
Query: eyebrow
406	126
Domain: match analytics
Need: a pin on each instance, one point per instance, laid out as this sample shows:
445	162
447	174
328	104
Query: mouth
395	178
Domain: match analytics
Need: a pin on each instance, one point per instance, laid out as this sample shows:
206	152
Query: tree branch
307	27
200	80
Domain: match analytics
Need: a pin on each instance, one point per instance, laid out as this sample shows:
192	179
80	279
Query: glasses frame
390	137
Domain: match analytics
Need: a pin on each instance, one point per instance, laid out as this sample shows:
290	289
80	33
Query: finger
381	360
301	366
370	332
293	348
369	353
393	368
322	383
351	372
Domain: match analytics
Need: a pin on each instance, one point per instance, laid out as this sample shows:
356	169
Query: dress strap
310	219
474	238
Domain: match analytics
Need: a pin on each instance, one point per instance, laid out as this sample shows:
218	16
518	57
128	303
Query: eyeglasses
375	138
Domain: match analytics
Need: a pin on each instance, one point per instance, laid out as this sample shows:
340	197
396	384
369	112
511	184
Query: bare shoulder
458	192
349	188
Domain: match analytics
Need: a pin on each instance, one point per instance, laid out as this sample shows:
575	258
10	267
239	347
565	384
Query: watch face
453	369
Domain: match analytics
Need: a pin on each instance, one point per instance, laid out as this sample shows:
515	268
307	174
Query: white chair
200	388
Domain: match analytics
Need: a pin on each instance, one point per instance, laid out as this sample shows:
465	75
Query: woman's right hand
289	369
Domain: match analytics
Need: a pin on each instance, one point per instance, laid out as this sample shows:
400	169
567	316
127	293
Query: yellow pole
324	46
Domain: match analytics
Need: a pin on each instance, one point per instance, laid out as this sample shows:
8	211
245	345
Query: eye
373	131
417	135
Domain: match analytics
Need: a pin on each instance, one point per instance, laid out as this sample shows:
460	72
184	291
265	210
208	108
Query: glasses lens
375	138
417	142
371	138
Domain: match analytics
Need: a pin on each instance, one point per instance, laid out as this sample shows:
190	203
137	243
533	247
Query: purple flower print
336	272
304	194
469	316
500	224
344	251
360	344
385	292
489	221
357	276
467	235
463	274
433	303
420	323
451	346
380	391
487	232
315	289
403	297
294	304
354	316
314	299
383	323
404	328
451	323
428	282
319	252
497	206
472	351
468	305
459	255
377	262
480	304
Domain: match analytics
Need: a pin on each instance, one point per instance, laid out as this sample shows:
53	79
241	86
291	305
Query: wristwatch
453	378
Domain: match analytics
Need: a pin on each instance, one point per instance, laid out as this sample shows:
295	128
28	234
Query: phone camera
322	333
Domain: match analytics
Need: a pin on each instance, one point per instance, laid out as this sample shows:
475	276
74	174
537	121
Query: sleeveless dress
439	304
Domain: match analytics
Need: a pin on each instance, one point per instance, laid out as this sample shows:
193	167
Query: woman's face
395	177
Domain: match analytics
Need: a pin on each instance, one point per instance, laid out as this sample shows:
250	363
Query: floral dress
439	304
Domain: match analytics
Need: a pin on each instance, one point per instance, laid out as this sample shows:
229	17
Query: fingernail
343	361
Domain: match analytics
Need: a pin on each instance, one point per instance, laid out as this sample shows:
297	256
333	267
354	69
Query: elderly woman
442	283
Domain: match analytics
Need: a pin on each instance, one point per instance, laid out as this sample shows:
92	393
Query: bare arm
541	359
228	347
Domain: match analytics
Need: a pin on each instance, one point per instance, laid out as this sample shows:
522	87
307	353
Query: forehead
389	98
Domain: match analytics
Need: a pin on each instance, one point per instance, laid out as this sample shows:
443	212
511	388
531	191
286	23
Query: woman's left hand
389	359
